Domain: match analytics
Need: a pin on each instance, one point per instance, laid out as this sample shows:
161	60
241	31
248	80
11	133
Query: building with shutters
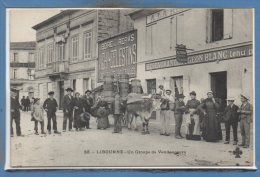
219	46
67	48
22	66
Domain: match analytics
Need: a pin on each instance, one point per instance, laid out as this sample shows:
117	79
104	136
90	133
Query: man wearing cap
245	115
88	103
15	113
192	105
68	109
179	109
230	117
50	106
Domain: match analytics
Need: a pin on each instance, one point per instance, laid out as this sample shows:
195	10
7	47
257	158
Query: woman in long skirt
212	130
78	110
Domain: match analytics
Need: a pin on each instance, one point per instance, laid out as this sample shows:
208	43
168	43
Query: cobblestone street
94	147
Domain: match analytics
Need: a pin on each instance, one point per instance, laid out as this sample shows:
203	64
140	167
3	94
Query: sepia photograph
130	88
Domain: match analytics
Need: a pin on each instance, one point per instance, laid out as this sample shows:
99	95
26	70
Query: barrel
124	85
108	88
136	86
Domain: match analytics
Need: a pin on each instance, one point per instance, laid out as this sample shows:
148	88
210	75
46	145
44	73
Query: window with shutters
61	52
41	58
74	48
219	24
50	53
87	45
217	28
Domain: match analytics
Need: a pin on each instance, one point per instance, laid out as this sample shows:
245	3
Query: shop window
31	57
151	86
74	84
87	45
85	84
176	85
75	48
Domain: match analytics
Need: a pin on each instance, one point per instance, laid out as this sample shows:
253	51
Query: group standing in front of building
201	119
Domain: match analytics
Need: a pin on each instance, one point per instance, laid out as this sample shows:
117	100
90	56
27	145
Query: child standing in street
37	116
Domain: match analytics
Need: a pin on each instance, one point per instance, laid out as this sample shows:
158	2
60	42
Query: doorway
61	89
219	88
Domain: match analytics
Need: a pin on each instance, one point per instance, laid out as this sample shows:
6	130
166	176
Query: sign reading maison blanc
118	55
231	53
163	14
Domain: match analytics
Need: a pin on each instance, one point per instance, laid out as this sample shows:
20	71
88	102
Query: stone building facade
219	46
22	68
67	48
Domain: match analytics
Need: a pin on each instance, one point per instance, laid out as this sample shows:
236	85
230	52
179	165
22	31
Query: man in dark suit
50	106
231	120
68	109
88	103
15	113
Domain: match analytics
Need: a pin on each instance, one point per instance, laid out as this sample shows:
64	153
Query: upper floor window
87	45
217	29
41	58
15	57
61	52
14	73
74	48
50	53
219	24
31	57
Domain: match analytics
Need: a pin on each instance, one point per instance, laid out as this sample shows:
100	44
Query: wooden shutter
228	23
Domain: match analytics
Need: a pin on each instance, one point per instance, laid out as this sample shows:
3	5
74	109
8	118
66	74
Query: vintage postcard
137	88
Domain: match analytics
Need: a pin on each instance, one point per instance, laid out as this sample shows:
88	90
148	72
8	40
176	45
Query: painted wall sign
118	55
225	54
163	14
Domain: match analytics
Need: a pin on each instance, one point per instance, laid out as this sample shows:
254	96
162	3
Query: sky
21	22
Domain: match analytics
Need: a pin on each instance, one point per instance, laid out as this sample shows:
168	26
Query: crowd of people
200	117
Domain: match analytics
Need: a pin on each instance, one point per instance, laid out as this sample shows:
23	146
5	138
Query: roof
29	45
142	12
53	18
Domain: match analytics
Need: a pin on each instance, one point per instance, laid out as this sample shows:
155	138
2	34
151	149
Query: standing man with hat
245	115
230	117
15	113
88	103
50	106
178	114
68	109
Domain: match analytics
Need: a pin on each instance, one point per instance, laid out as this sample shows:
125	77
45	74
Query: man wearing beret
68	109
50	106
15	113
178	114
245	115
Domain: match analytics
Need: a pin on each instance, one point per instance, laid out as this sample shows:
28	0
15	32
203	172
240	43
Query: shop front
227	71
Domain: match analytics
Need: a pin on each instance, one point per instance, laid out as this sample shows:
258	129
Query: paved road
102	148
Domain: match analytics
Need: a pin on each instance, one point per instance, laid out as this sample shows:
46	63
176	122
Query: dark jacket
50	105
15	106
230	113
67	103
179	107
78	106
88	103
192	104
